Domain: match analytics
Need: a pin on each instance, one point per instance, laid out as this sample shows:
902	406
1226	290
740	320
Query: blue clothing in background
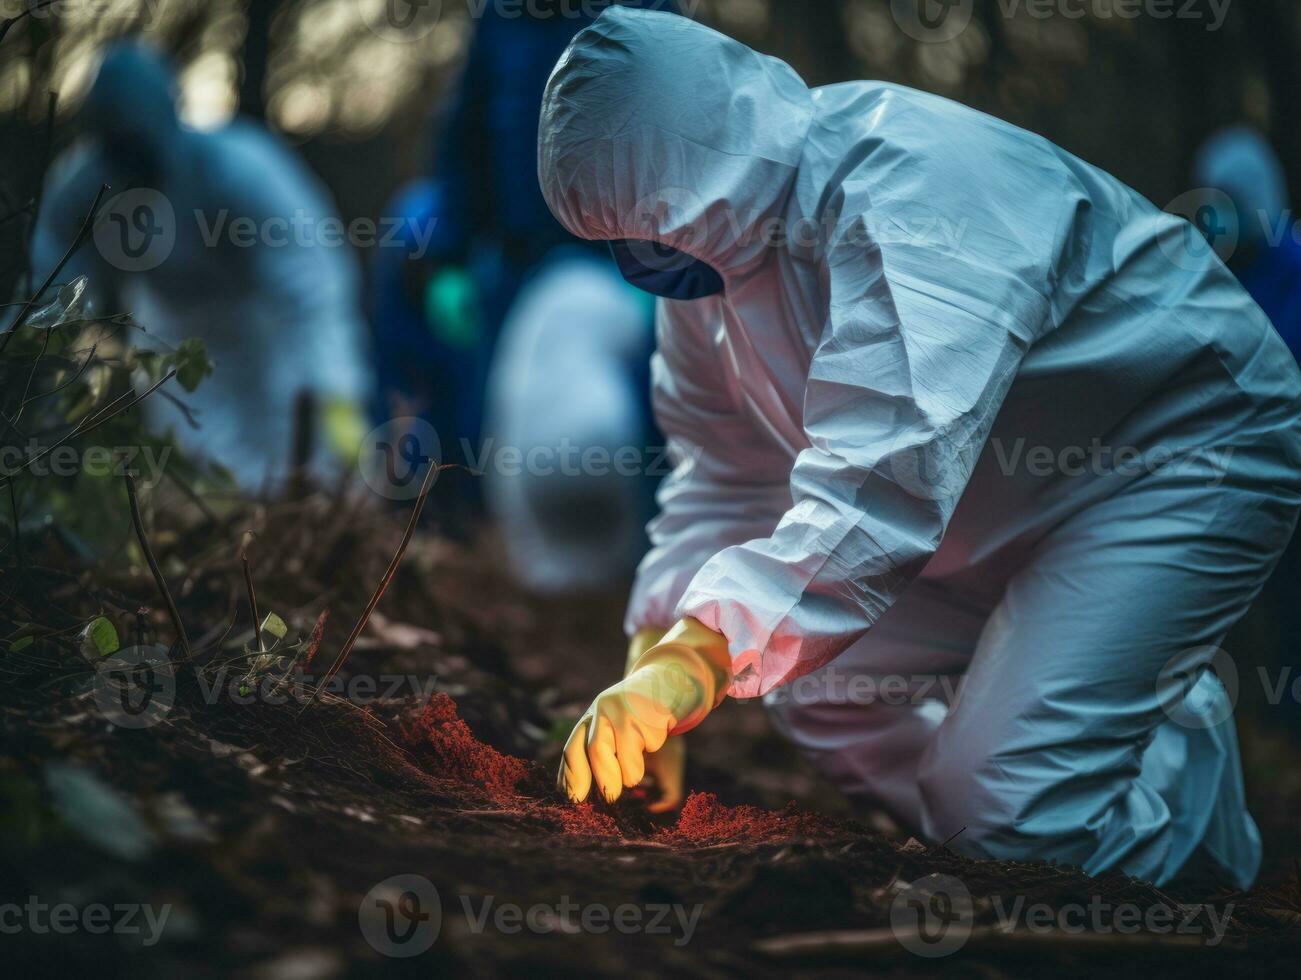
1267	255
1273	278
488	216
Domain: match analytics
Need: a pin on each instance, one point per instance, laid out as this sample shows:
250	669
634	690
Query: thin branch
28	208
184	409
7	24
434	470
63	384
99	419
31	376
13	513
963	830
192	495
157	572
77	242
252	593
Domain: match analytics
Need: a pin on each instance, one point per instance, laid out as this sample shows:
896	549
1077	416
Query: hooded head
1240	163
673	141
131	111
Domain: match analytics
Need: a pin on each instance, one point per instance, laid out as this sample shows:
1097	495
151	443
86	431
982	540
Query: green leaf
191	362
99	639
22	643
274	625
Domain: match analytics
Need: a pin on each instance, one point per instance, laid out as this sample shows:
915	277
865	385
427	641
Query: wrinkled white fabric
276	297
564	456
947	354
953	254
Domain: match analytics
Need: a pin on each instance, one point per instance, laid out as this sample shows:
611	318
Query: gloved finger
604	760
670	799
575	778
632	756
653	739
668	767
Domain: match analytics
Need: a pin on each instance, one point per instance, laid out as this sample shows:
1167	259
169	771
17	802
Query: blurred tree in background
1133	94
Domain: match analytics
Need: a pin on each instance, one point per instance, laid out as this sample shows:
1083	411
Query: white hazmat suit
564	414
224	236
967	407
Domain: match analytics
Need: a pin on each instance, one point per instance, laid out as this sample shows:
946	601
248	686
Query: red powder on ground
584	821
477	772
706	821
462	757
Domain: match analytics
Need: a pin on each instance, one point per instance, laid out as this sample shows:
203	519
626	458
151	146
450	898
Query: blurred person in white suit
224	236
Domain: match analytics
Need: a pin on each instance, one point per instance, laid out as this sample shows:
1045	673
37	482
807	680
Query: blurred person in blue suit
1266	257
491	227
443	314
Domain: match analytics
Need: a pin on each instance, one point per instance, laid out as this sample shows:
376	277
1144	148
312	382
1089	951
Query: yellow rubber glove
667	768
345	428
670	690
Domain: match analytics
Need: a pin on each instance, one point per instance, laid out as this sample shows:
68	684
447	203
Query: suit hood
655	128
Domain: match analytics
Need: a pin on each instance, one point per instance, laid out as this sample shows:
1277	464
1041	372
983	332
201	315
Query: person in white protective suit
956	405
565	458
224	236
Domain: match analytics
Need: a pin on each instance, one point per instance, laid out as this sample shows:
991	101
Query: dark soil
265	826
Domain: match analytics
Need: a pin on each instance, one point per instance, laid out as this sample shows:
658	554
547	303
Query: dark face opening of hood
657	129
664	271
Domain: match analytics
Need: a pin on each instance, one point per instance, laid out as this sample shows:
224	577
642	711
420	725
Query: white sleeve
922	343
729	484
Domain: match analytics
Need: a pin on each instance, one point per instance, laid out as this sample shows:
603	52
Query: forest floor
407	820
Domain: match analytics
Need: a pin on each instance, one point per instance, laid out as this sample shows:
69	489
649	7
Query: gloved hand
344	427
670	690
667	768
